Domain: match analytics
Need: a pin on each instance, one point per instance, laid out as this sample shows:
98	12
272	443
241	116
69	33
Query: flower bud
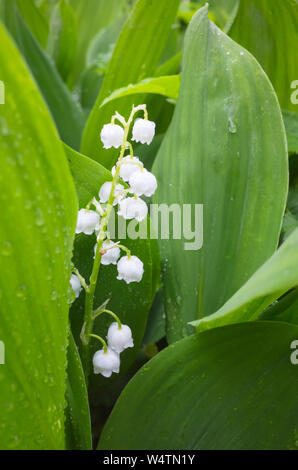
112	135
143	131
112	254
106	363
87	221
143	182
130	269
131	165
75	285
119	338
105	191
133	208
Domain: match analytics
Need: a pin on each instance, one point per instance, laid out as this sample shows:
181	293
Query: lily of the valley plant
95	218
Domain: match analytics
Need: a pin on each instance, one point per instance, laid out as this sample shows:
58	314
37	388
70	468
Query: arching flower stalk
128	169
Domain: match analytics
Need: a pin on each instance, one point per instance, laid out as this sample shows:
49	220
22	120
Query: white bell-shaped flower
130	269
87	221
75	285
112	254
143	182
112	135
129	165
105	191
143	131
133	208
119	338
106	363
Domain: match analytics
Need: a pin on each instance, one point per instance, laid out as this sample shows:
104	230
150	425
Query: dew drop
232	126
39	220
21	292
6	249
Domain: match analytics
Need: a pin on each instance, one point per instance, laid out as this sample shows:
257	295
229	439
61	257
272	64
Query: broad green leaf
68	116
269	30
102	45
293	190
221	12
161	110
291	124
170	67
274	278
291	217
98	56
92	16
167	86
174	42
224	12
290	223
35	20
225	149
88	175
136	56
147	154
78	426
285	310
90	84
156	326
156	267
45	7
38	216
210	391
62	44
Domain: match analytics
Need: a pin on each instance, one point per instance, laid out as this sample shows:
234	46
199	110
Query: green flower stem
98	207
132	163
99	311
105	347
122	247
127	251
81	279
89	299
130	150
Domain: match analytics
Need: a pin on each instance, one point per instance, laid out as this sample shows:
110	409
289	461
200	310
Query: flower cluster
130	181
107	360
130	205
